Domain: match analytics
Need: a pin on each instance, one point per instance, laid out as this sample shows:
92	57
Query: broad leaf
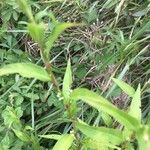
59	28
67	81
125	87
101	134
135	107
64	143
102	104
28	70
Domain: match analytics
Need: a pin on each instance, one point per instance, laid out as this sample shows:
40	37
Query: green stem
49	69
32	112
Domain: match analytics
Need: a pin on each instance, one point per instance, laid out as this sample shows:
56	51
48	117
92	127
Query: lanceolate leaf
101	134
26	138
135	107
64	143
37	32
28	70
59	28
125	87
67	81
22	136
102	104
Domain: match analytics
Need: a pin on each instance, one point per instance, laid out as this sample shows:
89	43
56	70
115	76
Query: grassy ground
114	42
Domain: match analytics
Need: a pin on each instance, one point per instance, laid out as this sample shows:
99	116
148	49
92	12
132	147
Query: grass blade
51	136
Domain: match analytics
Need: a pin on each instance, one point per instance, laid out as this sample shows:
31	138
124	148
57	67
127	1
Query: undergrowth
74	75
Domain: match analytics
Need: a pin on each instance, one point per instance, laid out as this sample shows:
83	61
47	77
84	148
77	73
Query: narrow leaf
141	31
107	119
101	134
109	3
67	81
135	107
59	28
96	145
40	15
143	137
28	70
64	143
22	136
25	7
102	104
51	136
125	87
45	13
37	33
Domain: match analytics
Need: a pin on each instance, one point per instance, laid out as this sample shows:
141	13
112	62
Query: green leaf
110	3
135	107
44	13
81	71
59	28
67	81
89	144
125	87
104	105
5	142
143	137
141	31
101	134
107	119
28	70
64	143
25	7
40	15
51	136
37	33
92	13
10	117
22	136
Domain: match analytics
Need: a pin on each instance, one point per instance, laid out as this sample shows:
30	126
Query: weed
52	109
